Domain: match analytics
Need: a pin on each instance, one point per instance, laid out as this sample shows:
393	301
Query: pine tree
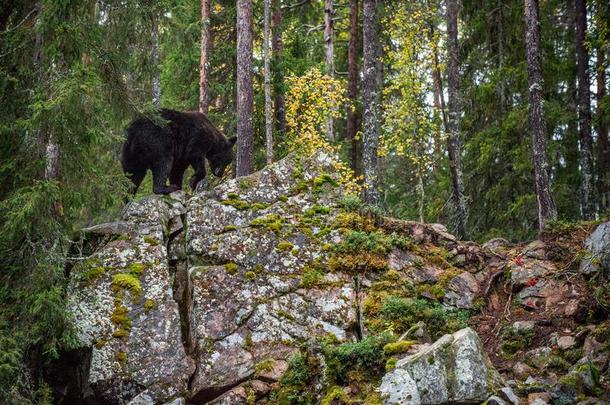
353	113
245	102
267	78
329	14
546	205
371	95
279	100
204	97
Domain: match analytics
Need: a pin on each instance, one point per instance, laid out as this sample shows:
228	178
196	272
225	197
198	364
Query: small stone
571	308
508	394
539	357
566	342
539	398
494	400
524	326
398	388
522	370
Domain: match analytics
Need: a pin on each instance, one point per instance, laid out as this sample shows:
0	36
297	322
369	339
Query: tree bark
245	105
584	112
371	97
204	96
603	166
439	103
276	50
267	73
546	205
352	90
329	13
156	79
453	121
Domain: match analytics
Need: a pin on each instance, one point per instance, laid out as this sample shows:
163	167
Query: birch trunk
267	73
204	96
245	106
584	112
156	79
371	97
453	121
276	50
546	205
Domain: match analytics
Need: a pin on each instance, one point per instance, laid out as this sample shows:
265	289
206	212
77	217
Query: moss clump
149	305
232	196
129	282
284	246
94	273
239	205
397	347
352	221
317	210
294	384
121	357
350	202
514	340
283	198
259	268
390	364
136	269
231	268
120	317
335	394
358	263
272	222
151	241
311	278
246	183
120	333
250	275
322	180
100	343
259	206
229	228
298	188
264	366
365	357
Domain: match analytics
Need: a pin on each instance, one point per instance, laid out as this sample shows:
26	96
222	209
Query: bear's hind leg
160	173
136	179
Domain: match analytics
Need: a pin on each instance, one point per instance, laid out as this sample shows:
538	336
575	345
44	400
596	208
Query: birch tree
204	97
245	101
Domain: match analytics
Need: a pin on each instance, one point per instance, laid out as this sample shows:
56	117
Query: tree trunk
453	124
156	79
267	73
245	106
371	96
584	112
204	96
352	89
603	166
546	205
329	13
276	48
439	103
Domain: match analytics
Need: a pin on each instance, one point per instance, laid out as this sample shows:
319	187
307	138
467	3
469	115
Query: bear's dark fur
168	149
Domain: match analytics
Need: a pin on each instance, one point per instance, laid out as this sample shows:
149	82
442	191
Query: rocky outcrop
454	369
279	285
597	246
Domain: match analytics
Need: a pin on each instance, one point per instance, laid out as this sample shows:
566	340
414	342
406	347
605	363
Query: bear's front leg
160	173
199	166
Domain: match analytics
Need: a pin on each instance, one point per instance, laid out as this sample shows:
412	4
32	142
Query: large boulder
454	369
597	246
121	301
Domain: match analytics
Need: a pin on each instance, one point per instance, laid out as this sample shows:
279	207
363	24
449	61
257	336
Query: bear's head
220	160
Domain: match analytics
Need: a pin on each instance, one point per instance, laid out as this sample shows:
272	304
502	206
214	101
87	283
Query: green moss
390	364
298	188
246	183
259	206
231	268
120	317
229	228
121	357
284	246
120	333
151	241
136	269
149	305
322	180
259	268
264	366
350	202
94	273
249	344
311	278
285	314
514	340
239	205
272	222
250	275
397	347
283	198
129	282
232	196
317	210
335	394
99	343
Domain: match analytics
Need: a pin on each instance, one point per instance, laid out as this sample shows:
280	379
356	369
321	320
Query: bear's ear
232	141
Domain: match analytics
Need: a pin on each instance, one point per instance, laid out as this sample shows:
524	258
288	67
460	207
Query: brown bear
167	149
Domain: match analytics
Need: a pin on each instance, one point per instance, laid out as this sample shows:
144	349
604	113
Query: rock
461	291
521	370
524	326
274	371
496	244
539	398
494	400
527	271
123	309
508	394
535	250
455	368
566	342
398	388
539	357
598	249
